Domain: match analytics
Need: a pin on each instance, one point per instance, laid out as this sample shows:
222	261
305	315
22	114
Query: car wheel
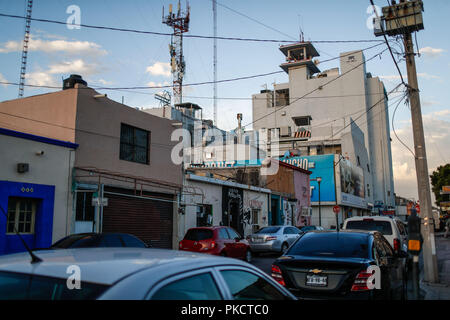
248	256
284	248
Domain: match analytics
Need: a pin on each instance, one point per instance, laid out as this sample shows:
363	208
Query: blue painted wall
43	227
324	168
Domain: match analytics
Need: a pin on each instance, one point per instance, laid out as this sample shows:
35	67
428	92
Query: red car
219	241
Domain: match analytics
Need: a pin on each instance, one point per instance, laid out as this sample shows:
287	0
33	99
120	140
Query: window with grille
134	144
21	215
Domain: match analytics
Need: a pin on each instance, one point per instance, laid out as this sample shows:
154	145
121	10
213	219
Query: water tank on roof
70	82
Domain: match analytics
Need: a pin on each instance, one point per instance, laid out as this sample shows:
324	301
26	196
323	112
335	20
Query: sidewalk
441	290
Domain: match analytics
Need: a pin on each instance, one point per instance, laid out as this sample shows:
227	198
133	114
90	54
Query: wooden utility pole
403	18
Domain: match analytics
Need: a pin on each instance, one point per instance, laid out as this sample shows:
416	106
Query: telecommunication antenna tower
26	39
180	23
215	59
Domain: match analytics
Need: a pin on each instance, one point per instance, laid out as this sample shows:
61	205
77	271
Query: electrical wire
389	47
393	127
186	36
318	88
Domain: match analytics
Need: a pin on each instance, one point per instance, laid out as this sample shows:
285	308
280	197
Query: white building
316	111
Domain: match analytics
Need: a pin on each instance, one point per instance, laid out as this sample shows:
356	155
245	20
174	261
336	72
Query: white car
392	228
133	273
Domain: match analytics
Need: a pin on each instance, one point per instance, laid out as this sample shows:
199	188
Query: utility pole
403	19
214	3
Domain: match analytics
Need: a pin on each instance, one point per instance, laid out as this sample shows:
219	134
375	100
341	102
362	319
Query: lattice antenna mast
26	39
215	59
180	23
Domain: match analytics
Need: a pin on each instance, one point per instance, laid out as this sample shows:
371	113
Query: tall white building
321	122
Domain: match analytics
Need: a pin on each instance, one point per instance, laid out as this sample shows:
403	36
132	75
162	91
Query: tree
439	178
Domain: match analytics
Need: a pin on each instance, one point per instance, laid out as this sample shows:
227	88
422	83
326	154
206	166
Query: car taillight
360	283
213	244
276	274
271	238
396	245
180	246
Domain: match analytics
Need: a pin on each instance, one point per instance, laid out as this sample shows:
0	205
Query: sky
118	59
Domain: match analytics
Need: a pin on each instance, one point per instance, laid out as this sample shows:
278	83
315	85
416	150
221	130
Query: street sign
336	209
99	202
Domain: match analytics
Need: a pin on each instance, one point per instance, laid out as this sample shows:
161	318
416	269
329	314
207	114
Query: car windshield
76	241
198	234
332	245
269	230
17	286
371	225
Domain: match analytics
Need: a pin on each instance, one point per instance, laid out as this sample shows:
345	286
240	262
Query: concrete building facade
124	155
35	190
314	111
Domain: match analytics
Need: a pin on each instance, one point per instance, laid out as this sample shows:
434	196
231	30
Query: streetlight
319	180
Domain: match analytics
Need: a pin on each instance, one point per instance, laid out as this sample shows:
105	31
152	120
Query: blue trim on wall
33	137
43	226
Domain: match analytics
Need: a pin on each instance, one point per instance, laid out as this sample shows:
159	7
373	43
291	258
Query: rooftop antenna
26	39
179	21
34	258
301	34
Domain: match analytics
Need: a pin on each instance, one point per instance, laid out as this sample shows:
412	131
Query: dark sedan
339	265
95	240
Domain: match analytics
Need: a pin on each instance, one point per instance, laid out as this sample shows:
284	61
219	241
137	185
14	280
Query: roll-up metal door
150	220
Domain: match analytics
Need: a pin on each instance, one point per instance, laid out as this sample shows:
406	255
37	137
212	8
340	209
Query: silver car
273	239
133	273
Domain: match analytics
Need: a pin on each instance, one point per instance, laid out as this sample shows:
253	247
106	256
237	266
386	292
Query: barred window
134	144
21	215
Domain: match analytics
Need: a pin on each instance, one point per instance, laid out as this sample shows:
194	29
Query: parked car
220	241
393	229
273	239
334	265
134	273
92	240
311	228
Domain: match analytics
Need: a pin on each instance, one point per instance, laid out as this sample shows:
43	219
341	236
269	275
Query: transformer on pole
179	21
26	39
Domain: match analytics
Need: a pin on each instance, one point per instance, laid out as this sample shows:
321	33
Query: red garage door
149	220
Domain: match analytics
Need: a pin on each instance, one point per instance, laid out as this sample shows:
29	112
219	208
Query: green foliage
439	178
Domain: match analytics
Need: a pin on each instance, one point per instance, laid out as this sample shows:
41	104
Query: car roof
379	218
119	262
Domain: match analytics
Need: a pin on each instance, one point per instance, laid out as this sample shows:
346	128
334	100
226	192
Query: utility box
400	18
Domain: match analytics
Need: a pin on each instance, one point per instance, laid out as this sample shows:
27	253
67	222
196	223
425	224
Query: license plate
257	240
316	281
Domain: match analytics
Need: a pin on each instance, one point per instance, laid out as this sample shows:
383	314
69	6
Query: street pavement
441	290
264	261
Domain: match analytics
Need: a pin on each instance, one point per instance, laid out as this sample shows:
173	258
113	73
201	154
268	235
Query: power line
318	88
387	43
395	133
186	36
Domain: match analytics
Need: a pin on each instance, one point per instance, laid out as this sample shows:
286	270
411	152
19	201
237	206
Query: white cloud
3	79
437	135
41	79
431	52
105	82
74	66
50	46
158	84
395	77
159	69
47	77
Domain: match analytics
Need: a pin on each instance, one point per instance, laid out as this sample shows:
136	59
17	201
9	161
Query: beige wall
50	115
97	122
98	134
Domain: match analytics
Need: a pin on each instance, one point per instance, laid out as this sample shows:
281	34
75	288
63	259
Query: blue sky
115	59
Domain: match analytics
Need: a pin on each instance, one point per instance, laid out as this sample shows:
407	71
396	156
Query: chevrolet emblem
315	271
